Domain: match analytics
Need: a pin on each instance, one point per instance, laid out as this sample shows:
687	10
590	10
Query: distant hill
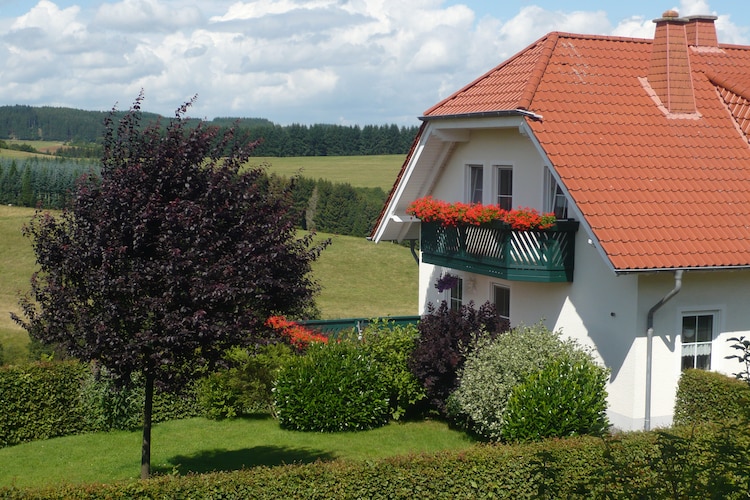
31	123
48	123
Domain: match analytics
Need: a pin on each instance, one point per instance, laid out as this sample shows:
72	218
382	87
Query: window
457	295
697	335
502	300
476	181
556	201
504	188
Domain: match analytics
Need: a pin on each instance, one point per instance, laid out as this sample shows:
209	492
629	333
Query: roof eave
485	114
681	268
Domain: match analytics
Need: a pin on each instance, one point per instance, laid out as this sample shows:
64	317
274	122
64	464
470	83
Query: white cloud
350	61
146	16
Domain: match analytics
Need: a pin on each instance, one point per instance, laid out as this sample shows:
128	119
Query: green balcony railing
494	249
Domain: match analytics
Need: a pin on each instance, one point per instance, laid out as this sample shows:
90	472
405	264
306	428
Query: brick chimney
669	73
701	31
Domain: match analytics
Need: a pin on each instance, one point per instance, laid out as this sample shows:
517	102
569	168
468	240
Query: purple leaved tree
175	253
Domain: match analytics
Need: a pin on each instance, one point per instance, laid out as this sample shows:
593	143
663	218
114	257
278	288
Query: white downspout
650	341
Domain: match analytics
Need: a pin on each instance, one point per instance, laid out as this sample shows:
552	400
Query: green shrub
495	366
40	401
109	406
390	347
704	396
333	387
246	387
566	398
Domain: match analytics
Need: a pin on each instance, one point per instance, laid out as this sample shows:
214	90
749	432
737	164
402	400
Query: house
640	148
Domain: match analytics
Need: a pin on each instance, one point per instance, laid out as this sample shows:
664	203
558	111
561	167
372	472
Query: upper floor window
504	188
501	298
475	183
556	201
697	337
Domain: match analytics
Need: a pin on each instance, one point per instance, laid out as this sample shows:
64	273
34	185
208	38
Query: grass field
16	266
359	171
198	445
358	278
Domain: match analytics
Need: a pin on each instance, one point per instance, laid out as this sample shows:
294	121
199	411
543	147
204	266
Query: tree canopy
169	257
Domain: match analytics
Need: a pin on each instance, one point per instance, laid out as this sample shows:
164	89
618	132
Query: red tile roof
659	166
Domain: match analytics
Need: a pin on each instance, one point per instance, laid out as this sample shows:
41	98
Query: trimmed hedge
705	462
45	400
40	401
704	396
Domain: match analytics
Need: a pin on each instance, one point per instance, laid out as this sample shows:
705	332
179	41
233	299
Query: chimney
701	31
669	73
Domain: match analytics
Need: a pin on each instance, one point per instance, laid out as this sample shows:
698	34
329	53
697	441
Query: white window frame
470	188
553	193
497	197
495	286
456	295
715	314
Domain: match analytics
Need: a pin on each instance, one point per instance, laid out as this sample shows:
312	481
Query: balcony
495	249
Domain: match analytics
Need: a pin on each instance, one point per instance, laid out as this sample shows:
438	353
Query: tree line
80	127
322	205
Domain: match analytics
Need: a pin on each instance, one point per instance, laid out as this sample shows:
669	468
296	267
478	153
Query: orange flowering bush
297	335
428	209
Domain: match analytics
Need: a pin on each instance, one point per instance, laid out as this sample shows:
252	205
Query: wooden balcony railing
494	249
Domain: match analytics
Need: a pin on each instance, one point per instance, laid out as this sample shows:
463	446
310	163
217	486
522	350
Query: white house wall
494	147
721	292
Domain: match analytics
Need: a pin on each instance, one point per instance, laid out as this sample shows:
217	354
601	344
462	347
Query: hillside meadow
358	278
359	171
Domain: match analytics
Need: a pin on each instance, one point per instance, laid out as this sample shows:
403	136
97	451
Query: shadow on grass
229	460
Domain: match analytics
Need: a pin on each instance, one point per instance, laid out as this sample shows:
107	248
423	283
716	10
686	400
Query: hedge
45	400
704	396
40	401
711	461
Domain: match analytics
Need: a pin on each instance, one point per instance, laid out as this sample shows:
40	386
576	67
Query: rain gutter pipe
650	342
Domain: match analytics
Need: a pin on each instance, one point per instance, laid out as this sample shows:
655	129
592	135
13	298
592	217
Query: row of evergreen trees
81	127
322	205
39	181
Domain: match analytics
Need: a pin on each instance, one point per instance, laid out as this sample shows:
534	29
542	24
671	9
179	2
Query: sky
347	62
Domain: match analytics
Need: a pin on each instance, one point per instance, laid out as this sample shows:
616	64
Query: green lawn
199	445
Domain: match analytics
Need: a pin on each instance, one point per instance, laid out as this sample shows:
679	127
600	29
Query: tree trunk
146	447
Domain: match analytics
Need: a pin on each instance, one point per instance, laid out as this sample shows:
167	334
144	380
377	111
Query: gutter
650	341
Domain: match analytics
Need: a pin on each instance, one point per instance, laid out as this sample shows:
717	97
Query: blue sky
293	61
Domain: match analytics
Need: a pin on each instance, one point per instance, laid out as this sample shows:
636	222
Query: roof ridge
538	72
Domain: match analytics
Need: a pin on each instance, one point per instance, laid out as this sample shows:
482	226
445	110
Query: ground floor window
457	295
501	298
697	337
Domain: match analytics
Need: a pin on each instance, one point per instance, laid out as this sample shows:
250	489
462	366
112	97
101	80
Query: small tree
170	258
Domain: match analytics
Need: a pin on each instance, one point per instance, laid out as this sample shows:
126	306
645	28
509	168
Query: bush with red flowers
297	335
428	209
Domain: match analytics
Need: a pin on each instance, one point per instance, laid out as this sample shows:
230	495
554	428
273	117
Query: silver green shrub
495	366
